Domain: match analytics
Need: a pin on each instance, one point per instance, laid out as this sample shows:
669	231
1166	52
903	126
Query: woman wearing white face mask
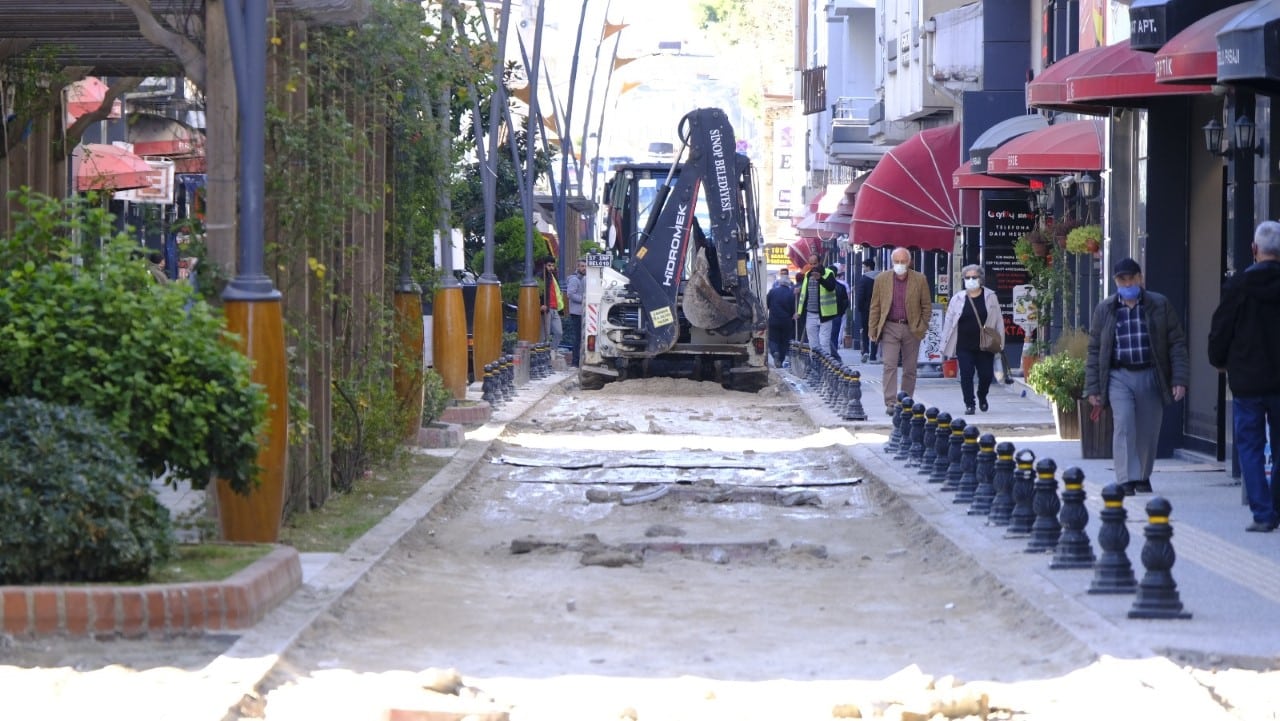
967	314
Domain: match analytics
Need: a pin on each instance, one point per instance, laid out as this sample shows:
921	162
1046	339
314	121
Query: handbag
991	340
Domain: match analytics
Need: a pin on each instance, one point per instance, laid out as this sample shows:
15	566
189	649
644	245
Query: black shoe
1129	487
968	410
1142	486
1259	527
982	405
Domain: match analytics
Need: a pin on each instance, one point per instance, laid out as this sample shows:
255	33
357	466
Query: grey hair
982	274
1267	238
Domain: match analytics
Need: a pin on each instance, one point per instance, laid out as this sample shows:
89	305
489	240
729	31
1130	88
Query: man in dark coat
782	309
842	309
862	294
1244	340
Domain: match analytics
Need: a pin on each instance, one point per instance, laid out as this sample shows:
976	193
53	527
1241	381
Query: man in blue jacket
782	309
1244	340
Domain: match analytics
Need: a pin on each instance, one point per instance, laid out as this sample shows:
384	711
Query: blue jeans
836	322
573	331
1251	417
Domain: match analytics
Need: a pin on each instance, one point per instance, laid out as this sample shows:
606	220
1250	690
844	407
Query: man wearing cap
1244	340
1137	364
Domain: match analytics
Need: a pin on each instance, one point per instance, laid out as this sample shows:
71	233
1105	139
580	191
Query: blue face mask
1129	292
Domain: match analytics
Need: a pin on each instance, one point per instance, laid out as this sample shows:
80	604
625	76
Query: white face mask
900	268
972	284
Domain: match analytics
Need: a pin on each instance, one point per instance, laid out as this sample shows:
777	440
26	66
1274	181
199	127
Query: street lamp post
251	303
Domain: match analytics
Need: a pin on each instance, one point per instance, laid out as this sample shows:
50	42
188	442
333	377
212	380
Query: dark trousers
975	360
864	322
780	340
1253	414
836	322
573	331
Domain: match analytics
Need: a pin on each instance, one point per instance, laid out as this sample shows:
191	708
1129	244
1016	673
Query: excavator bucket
701	303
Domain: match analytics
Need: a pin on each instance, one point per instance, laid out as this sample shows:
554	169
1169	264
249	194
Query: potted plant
1084	239
1060	378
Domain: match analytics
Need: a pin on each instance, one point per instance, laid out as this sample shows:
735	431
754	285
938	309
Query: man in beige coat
900	310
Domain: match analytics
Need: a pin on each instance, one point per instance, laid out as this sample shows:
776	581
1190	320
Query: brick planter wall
162	609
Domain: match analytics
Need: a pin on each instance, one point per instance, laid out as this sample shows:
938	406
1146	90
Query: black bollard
486	387
1045	530
942	446
904	426
1021	518
916	453
968	466
985	471
1074	549
955	456
928	439
895	436
1157	593
1002	480
854	410
1113	573
811	364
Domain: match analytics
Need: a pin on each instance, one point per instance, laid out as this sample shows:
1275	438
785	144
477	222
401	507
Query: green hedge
73	504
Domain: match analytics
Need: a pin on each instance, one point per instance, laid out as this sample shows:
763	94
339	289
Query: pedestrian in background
862	290
781	302
1137	364
900	310
817	304
967	314
553	304
575	287
842	307
1244	341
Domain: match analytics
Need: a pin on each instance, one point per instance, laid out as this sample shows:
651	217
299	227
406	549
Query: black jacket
842	298
1244	336
862	291
782	304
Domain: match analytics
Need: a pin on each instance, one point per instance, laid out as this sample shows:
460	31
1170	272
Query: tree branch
188	53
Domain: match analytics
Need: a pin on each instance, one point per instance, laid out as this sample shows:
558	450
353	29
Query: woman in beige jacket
967	313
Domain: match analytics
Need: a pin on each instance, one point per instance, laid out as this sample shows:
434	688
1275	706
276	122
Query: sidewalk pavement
1227	578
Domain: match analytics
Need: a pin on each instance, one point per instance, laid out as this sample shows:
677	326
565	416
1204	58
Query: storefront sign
1003	222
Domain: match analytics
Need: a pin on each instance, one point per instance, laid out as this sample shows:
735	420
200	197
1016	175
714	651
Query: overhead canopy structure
109	167
966	178
908	199
1063	148
86	95
1249	48
153	134
1191	56
999	134
1091	81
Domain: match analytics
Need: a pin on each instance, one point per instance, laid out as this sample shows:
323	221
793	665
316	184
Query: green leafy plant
1084	239
435	396
73	504
1060	378
82	322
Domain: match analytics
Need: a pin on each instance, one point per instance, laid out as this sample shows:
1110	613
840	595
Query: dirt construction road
569	579
657	550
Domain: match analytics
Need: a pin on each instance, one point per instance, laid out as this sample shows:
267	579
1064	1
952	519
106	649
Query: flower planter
1095	435
1068	424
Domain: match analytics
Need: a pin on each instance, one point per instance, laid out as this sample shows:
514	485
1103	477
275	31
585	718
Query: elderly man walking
1138	364
900	310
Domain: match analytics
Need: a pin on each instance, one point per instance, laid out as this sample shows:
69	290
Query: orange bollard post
486	330
256	517
529	314
449	340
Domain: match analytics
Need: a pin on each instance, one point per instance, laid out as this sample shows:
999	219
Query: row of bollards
498	384
838	385
1012	490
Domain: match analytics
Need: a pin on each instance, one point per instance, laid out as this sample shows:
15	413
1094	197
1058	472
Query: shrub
1060	378
73	504
82	322
435	396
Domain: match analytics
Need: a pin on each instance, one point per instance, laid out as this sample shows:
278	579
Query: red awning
965	178
1062	148
1120	75
908	200
153	134
809	225
838	221
87	95
1191	56
800	250
109	167
1049	90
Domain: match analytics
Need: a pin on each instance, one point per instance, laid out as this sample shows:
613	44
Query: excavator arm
656	270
